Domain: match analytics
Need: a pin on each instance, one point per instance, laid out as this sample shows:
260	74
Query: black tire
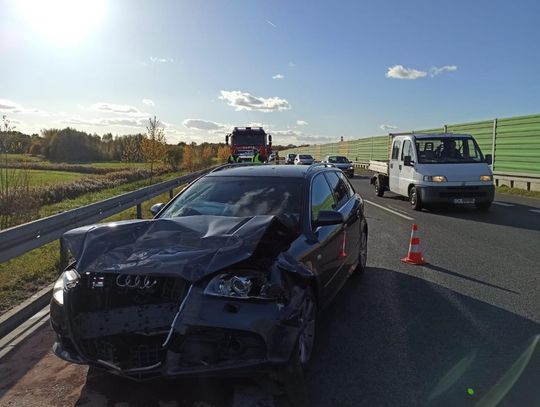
414	199
379	190
306	337
483	206
362	256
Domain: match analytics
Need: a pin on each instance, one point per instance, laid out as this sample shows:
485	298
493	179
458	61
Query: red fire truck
245	142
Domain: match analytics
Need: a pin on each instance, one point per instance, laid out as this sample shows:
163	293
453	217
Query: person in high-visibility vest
257	159
233	159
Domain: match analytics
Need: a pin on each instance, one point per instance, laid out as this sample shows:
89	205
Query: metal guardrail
23	238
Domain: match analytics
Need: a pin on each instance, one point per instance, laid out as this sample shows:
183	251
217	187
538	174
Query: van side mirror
327	218
407	161
270	140
156	208
489	159
227	139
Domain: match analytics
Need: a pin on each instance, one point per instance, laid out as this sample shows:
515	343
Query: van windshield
445	150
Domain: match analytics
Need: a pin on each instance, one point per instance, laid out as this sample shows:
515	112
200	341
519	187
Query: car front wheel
306	338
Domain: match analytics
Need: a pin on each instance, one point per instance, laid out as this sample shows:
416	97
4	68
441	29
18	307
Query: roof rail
315	165
234	165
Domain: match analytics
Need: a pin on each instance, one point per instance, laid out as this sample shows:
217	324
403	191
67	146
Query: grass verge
503	189
23	276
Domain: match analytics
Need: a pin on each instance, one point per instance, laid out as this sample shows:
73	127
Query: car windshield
238	196
445	150
305	157
338	160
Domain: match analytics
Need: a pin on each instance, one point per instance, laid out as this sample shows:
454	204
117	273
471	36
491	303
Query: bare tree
154	145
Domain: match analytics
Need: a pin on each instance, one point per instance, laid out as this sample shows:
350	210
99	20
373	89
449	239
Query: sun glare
62	21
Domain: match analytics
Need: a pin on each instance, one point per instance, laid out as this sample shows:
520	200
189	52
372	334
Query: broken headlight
66	281
243	285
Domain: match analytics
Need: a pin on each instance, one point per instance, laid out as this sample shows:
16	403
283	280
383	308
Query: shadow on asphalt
517	216
463	276
391	339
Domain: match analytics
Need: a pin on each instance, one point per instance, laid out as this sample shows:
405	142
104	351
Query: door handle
400	166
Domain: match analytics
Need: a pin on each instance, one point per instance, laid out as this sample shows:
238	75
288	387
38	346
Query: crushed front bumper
209	336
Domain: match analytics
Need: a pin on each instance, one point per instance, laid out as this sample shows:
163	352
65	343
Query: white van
435	168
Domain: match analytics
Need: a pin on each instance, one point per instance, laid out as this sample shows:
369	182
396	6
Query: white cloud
245	101
148	102
116	108
301	123
387	127
292	64
205	125
10	106
161	60
400	72
436	71
115	121
278	76
271	23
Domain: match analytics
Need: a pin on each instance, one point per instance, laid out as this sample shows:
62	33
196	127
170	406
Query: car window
350	189
238	196
341	192
322	198
407	149
395	149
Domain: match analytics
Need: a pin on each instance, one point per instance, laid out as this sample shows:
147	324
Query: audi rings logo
129	281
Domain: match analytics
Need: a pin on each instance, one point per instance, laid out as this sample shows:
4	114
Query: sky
307	71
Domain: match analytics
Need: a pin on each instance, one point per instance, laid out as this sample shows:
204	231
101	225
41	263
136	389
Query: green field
46	177
22	158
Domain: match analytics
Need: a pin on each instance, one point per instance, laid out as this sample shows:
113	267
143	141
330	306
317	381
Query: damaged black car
226	279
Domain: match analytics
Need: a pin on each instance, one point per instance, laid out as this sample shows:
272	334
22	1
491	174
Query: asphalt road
461	330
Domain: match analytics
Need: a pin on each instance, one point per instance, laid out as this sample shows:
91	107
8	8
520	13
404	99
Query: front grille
126	351
125	322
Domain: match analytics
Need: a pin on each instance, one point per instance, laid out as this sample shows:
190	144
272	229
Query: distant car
226	279
340	162
289	158
304	159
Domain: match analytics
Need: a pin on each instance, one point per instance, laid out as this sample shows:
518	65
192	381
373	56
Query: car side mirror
327	218
156	208
489	159
407	161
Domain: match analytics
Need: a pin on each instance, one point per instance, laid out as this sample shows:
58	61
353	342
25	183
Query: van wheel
414	199
379	190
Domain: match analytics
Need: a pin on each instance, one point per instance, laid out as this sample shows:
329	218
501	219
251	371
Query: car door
327	245
406	175
349	208
394	166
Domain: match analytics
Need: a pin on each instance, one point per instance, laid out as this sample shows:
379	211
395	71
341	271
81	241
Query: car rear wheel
414	199
306	338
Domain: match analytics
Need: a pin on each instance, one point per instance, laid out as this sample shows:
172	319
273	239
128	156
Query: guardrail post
139	211
171	193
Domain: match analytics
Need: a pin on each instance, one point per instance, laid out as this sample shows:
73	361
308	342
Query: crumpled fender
191	247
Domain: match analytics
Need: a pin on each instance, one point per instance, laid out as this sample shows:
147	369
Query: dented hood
191	247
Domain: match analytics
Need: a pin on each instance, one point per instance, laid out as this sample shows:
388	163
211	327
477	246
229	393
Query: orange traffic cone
415	254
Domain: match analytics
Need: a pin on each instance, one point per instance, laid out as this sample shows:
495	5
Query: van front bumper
448	194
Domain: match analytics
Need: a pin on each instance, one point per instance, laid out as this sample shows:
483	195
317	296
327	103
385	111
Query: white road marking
388	210
501	203
534	210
